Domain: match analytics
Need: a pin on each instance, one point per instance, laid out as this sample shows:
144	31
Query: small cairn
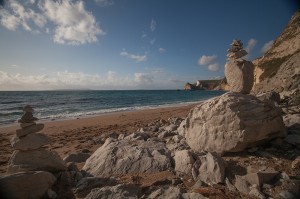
239	72
29	154
236	50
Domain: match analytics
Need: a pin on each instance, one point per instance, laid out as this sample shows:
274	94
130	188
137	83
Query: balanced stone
30	129
240	76
27	118
28	108
24	125
30	142
35	160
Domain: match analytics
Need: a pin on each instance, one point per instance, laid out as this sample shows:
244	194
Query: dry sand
70	136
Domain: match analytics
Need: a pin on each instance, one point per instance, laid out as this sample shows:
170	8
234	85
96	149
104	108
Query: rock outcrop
239	72
128	156
279	69
232	122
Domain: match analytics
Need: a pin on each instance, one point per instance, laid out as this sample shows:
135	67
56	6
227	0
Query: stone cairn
239	72
29	154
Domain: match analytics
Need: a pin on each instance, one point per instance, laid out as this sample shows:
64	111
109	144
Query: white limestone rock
232	122
240	76
127	156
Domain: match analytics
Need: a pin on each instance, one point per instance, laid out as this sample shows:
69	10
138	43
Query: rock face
232	122
128	156
29	185
239	72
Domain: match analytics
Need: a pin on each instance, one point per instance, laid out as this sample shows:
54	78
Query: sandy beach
70	136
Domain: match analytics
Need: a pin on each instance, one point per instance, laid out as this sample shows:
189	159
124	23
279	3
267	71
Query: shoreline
89	133
83	116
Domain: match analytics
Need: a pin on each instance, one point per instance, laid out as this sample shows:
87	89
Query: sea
60	105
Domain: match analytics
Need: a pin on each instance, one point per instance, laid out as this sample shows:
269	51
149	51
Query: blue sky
129	44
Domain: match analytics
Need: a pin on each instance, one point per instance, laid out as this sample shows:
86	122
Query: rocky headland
237	145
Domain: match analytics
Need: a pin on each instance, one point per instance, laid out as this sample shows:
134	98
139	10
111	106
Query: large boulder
31	185
232	122
35	160
240	75
30	142
128	156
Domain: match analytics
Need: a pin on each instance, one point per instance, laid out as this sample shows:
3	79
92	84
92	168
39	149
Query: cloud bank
71	22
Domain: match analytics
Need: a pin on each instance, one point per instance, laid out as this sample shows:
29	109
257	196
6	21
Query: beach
75	135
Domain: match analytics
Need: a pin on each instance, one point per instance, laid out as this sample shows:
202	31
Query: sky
129	44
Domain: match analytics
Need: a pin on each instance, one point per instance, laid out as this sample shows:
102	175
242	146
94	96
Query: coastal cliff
220	84
279	69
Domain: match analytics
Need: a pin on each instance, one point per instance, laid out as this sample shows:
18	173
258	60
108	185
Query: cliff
279	69
220	84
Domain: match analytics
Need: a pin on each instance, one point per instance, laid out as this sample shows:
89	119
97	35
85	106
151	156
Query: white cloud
143	78
267	46
137	58
75	25
152	25
205	60
213	67
144	35
251	44
161	50
104	2
152	41
15	15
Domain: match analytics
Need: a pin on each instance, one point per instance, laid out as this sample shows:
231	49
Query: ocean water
49	105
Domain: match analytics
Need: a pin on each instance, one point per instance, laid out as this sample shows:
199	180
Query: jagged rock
271	96
181	128
240	76
166	193
77	157
261	177
30	129
242	185
126	156
35	160
212	169
137	136
171	127
29	185
116	192
254	191
184	162
193	196
292	122
231	123
30	142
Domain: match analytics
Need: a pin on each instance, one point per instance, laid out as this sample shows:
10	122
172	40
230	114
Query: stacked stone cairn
239	72
31	166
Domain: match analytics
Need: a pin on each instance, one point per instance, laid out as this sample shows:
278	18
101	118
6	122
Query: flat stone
30	141
27	118
30	129
35	160
24	125
30	185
